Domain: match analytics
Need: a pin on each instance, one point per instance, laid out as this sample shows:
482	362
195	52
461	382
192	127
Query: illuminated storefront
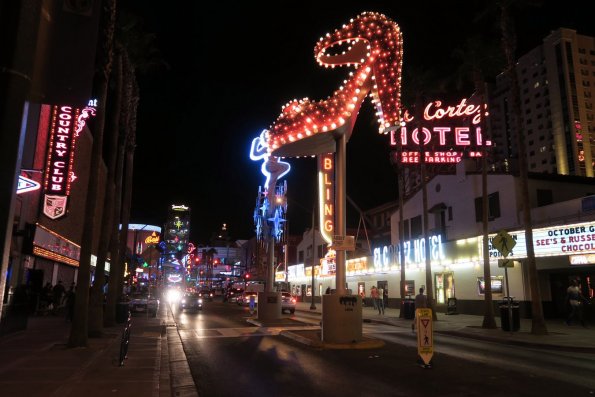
458	267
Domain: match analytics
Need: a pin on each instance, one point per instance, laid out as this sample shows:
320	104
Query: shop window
493	207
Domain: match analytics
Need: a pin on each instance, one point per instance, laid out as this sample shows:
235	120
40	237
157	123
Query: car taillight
293	301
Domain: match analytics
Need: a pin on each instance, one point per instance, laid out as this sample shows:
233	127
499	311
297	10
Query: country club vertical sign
59	161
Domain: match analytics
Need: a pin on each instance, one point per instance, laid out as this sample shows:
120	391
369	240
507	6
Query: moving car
244	299
191	301
287	302
206	295
144	303
233	295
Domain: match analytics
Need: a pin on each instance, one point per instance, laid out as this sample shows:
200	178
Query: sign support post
504	243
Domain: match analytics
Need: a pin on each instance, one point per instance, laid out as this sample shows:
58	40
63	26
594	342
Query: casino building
563	213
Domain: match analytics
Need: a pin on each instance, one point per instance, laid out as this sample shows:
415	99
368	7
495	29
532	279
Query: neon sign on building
452	141
59	161
326	189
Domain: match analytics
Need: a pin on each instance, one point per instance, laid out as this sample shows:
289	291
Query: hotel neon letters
463	137
415	253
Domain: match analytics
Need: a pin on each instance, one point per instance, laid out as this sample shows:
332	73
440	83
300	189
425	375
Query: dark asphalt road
228	357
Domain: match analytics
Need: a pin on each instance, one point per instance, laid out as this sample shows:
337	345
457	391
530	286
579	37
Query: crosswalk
240	331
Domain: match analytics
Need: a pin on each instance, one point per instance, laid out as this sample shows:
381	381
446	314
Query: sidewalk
560	336
36	361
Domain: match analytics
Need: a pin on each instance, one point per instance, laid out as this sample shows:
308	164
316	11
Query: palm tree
479	58
538	326
96	309
79	329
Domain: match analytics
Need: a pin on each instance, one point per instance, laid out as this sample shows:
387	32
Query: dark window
493	207
300	256
544	197
450	213
416	228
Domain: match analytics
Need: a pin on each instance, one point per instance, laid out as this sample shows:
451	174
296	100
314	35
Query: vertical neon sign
59	161
326	194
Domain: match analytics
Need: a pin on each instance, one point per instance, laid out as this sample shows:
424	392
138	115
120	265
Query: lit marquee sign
59	161
454	141
326	189
152	239
551	241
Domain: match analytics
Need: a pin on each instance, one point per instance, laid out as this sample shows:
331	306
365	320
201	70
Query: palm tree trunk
79	329
96	309
488	315
128	162
401	183
115	262
538	326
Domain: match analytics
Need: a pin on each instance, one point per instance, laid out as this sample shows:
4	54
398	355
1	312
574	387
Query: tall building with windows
557	83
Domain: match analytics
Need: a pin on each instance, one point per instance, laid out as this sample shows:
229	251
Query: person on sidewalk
421	301
576	300
381	301
374	297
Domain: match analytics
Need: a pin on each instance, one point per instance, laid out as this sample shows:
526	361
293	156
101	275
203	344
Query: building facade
557	84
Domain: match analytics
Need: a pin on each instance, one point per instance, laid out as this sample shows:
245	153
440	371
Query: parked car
233	294
191	301
144	303
287	302
244	299
206	295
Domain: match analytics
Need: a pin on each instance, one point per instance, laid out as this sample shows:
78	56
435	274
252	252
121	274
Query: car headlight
200	301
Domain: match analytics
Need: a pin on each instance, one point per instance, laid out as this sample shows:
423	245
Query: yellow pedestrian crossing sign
425	334
503	242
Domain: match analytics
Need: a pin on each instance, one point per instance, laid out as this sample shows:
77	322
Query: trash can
122	309
505	319
409	309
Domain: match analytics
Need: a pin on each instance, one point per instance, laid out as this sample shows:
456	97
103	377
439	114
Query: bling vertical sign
326	191
59	160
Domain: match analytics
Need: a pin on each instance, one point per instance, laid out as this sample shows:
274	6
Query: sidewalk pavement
36	362
560	336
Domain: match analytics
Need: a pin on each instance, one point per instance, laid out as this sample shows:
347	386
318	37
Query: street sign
425	334
506	263
343	243
503	242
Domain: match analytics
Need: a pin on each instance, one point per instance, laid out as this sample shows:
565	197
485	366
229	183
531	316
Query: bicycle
125	340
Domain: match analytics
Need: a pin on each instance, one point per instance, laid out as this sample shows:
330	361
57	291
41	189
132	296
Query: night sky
232	67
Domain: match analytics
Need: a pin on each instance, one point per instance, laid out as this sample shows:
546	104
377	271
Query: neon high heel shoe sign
375	46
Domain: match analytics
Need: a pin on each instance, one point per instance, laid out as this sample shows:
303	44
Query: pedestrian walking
576	301
421	301
57	293
374	297
69	302
381	301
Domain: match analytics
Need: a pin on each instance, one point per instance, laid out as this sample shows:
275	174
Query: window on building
544	197
300	256
320	251
450	213
493	207
416	227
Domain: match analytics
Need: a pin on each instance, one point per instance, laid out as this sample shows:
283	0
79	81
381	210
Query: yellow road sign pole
425	335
